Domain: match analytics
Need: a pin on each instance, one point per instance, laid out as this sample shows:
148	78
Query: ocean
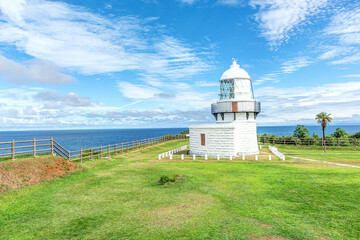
77	139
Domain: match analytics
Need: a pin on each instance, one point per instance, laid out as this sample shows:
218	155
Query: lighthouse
235	112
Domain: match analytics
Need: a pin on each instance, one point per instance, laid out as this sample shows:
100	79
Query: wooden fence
310	141
34	147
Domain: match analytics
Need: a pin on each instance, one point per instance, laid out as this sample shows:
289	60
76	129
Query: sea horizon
179	127
75	139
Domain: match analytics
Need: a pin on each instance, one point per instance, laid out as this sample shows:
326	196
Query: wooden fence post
296	140
34	147
100	152
355	142
81	155
109	151
69	155
308	142
122	147
284	141
52	146
13	150
91	154
338	142
115	149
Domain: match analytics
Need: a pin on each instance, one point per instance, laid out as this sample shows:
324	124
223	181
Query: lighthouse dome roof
235	72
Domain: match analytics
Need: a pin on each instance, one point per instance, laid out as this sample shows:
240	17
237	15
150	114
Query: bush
339	133
185	132
315	135
166	179
356	135
301	131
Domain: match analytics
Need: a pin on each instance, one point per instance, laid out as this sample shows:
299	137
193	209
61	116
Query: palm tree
324	119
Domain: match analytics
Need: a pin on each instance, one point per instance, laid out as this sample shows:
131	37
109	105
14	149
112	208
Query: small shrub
301	131
166	179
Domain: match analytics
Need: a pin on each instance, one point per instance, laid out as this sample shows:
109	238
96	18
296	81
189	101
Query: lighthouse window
227	89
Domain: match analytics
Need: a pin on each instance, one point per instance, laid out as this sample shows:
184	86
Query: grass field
333	154
121	199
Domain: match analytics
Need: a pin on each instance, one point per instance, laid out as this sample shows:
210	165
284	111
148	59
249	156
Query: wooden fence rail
13	148
310	141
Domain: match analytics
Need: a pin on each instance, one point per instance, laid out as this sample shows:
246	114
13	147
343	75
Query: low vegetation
25	172
122	199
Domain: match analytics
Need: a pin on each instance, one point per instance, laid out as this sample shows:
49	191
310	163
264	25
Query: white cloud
345	26
345	22
295	64
74	38
71	99
335	51
187	1
279	18
43	108
108	6
133	91
33	71
287	67
351	76
270	77
207	84
40	108
13	9
184	98
230	2
348	59
292	105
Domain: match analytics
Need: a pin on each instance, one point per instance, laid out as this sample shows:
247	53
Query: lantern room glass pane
227	89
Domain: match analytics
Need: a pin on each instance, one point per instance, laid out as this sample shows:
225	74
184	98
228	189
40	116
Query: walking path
313	160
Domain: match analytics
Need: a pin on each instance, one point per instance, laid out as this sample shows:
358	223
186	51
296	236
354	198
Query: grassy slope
215	200
333	154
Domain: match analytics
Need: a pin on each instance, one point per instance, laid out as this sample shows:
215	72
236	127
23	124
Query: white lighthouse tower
234	132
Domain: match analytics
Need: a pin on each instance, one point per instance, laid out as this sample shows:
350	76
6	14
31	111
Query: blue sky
151	63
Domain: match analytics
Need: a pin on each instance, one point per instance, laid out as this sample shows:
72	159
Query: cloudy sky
157	63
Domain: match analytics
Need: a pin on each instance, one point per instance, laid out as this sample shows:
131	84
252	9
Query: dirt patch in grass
142	164
266	226
313	165
267	238
18	174
192	206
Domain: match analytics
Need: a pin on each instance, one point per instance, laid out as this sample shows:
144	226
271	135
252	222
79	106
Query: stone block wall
245	137
225	139
218	140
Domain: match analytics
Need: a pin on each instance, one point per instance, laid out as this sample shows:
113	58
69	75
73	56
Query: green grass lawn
333	154
121	199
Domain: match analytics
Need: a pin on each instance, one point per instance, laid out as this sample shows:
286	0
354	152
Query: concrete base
224	139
